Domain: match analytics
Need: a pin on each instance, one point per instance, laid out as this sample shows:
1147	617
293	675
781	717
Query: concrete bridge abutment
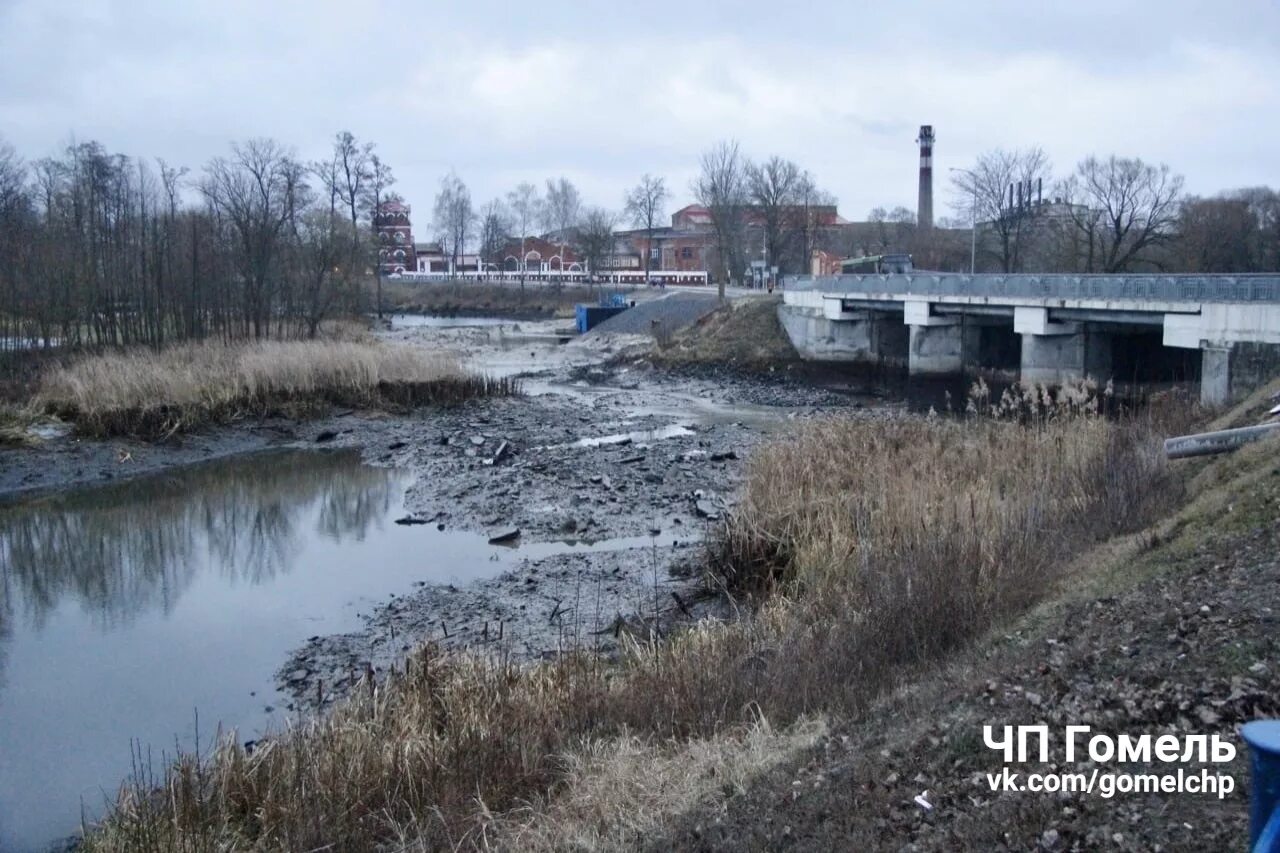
854	336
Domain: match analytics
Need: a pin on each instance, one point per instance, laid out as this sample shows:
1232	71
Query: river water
127	609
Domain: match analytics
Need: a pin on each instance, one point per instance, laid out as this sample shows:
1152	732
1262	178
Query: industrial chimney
924	215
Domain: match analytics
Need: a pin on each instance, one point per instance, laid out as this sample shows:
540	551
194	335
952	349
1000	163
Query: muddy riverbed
526	525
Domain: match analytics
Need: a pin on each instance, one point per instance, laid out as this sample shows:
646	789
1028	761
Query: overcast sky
602	92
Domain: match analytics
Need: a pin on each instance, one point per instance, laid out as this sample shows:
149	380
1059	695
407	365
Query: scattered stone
706	509
628	460
505	537
477	440
396	445
410	520
326	435
723	456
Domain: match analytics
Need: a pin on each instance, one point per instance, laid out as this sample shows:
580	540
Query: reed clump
155	394
868	550
15	422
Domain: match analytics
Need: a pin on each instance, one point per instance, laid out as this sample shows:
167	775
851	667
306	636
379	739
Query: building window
686	253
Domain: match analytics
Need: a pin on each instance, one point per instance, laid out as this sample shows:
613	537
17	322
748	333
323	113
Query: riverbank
509	300
581	538
639	466
671	692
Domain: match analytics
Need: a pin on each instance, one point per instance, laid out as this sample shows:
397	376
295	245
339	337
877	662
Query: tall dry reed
872	548
148	393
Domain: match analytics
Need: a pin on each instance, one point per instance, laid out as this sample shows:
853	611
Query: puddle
126	608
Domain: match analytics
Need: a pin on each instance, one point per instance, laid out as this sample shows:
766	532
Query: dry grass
743	332
15	422
874	548
142	392
534	301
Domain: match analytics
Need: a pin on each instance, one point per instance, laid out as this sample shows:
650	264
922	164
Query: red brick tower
395	238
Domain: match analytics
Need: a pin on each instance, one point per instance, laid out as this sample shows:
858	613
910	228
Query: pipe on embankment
1209	443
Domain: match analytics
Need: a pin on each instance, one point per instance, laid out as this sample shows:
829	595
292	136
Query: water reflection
124	607
124	549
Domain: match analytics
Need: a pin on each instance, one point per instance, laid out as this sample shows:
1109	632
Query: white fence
566	277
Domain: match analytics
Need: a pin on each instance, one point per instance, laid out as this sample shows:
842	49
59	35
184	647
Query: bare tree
644	205
722	189
1215	235
526	209
454	216
773	187
1264	206
495	229
982	196
809	222
595	237
352	170
1121	209
258	189
378	182
562	210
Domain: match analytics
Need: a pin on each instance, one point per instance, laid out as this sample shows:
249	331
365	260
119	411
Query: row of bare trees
774	199
774	206
102	249
1112	214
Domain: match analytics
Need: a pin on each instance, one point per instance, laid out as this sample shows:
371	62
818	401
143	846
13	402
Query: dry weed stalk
874	548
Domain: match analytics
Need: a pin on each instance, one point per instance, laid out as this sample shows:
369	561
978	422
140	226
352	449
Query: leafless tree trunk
982	197
495	228
562	209
378	182
645	204
454	217
721	188
596	237
773	187
1122	209
526	208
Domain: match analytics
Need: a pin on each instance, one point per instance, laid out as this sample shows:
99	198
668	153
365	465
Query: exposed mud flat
605	478
610	489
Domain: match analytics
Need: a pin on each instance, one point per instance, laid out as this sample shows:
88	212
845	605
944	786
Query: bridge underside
1035	344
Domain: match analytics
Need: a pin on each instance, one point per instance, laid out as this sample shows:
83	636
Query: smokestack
924	214
1039	191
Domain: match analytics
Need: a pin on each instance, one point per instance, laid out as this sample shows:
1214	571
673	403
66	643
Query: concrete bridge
1049	328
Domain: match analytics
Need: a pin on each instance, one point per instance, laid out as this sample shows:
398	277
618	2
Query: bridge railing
1261	287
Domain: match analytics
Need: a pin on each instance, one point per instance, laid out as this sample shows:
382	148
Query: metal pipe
1223	441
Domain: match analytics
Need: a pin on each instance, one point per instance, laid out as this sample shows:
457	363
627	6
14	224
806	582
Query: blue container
1263	737
590	316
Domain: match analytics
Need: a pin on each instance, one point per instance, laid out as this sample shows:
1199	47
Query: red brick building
539	255
689	243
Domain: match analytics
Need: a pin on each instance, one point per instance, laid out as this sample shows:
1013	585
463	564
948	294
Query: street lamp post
973	219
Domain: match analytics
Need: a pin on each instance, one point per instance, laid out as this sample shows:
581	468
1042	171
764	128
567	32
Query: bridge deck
1260	287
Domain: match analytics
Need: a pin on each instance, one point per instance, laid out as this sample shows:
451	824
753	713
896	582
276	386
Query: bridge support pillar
1054	353
1215	375
938	349
1057	359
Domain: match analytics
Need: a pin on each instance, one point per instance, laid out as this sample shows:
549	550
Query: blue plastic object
590	316
1263	737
